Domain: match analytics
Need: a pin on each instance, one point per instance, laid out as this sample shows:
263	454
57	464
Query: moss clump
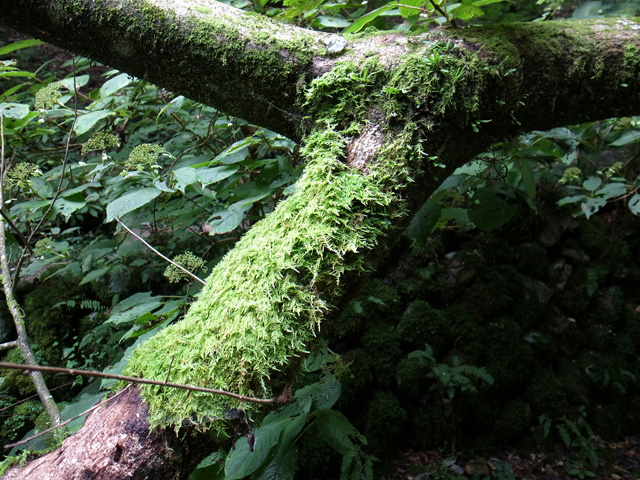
264	302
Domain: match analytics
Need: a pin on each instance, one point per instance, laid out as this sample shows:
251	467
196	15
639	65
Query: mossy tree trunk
383	120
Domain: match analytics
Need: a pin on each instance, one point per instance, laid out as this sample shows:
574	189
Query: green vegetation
509	317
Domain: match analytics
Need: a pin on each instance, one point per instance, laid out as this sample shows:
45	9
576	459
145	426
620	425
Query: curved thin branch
196	278
124	378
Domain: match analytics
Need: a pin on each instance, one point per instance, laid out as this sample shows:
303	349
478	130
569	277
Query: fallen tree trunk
383	121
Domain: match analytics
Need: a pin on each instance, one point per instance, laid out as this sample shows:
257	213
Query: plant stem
195	277
124	378
18	319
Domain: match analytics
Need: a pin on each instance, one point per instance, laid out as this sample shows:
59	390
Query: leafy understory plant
577	435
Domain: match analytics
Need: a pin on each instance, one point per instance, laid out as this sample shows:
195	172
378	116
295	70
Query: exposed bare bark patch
115	443
363	149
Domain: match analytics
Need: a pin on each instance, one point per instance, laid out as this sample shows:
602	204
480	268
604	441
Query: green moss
264	302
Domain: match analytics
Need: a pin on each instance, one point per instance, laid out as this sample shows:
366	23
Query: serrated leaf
571	199
467	12
337	431
114	84
130	202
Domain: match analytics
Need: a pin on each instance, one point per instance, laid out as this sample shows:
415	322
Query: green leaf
409	12
114	84
12	47
324	393
328	21
234	154
423	222
184	177
95	274
612	190
337	431
491	211
130	201
592	183
16	111
634	204
626	139
87	121
228	220
370	17
207	176
571	199
467	12
77	82
69	204
242	462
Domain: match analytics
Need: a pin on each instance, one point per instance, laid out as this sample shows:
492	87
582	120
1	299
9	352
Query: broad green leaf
87	121
370	17
114	84
228	220
69	204
612	190
528	179
80	81
95	274
235	153
626	139
337	431
131	201
134	307
592	205
324	394
242	462
207	176
491	211
423	222
467	12
634	204
14	110
571	199
592	183
185	177
12	47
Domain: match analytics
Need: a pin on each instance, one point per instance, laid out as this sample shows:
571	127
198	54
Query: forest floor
617	460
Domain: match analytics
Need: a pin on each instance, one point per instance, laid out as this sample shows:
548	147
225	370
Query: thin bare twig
88	373
198	279
86	412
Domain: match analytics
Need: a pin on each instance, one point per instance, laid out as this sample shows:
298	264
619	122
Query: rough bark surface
115	443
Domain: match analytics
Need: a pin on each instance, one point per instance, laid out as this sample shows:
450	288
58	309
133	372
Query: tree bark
383	120
116	443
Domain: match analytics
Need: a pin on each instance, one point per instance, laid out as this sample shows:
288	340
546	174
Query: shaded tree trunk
383	120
